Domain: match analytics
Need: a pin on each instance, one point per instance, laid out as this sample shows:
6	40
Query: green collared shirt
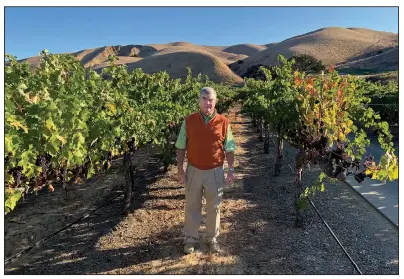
229	143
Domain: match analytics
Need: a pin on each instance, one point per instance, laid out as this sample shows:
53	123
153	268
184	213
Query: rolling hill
350	49
176	63
330	45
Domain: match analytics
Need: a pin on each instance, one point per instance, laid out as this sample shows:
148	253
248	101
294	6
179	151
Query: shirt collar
208	116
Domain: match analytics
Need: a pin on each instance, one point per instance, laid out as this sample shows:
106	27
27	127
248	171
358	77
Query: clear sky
69	29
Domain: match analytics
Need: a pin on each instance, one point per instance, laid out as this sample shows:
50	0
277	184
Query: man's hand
180	166
230	177
181	176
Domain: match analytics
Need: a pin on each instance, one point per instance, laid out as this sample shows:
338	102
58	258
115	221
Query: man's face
207	104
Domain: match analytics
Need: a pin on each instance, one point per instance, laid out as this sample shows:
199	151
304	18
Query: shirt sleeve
182	137
229	143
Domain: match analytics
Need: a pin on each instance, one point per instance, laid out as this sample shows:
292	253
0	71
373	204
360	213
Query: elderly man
207	138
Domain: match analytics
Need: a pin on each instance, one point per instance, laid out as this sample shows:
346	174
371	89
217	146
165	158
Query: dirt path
257	229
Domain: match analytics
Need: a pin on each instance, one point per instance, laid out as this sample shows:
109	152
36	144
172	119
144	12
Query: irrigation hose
328	227
36	244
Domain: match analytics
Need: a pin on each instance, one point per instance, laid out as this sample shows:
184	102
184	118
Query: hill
351	50
176	63
246	49
383	61
330	45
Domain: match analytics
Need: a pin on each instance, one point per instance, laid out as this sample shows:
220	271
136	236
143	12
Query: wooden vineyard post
279	154
266	139
298	191
129	182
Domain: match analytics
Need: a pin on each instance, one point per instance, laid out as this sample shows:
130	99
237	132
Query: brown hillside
331	45
176	63
82	53
226	57
387	61
246	49
96	56
358	48
121	60
33	62
386	36
269	45
99	56
135	50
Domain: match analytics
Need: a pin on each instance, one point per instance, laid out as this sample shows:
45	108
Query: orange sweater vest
205	142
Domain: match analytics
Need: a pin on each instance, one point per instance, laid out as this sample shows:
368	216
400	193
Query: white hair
208	91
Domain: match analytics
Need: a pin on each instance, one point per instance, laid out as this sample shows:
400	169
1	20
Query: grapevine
324	117
64	123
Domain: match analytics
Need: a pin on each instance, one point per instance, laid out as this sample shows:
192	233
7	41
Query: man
207	138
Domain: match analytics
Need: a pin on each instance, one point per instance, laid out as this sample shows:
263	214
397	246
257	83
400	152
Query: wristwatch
231	169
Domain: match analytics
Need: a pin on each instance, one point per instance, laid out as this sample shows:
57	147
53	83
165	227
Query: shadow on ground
258	232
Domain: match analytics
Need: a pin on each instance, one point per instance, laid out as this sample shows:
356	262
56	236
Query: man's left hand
230	177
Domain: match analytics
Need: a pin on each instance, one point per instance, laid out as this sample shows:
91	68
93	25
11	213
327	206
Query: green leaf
8	144
18	124
67	154
117	131
80	139
50	125
322	176
9	105
91	172
22	86
95	132
62	139
51	149
302	204
11	200
394	174
78	154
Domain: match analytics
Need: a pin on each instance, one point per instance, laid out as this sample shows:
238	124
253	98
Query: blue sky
30	30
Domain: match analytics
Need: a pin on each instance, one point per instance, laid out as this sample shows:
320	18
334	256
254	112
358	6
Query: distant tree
256	73
307	63
303	63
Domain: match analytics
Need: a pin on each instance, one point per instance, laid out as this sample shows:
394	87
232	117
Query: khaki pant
198	182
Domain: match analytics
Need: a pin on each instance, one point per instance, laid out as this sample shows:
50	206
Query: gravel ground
257	228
